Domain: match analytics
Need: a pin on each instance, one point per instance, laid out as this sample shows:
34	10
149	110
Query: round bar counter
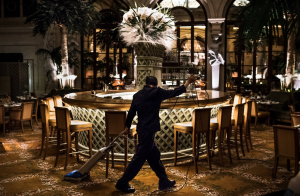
87	107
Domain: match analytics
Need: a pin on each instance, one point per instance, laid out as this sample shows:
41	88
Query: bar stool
50	103
222	124
247	122
237	122
46	123
3	119
115	122
200	124
237	99
65	125
58	101
259	114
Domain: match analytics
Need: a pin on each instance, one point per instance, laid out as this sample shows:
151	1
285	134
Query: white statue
215	63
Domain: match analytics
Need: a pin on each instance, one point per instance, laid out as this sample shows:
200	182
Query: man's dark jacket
146	103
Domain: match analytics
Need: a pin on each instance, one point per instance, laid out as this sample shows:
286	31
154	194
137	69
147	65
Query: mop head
76	176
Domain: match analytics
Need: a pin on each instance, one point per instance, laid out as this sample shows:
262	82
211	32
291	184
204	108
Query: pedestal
215	70
149	62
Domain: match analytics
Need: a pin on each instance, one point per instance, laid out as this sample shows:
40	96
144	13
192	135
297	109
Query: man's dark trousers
146	150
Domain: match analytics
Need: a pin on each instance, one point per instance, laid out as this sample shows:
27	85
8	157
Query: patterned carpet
22	172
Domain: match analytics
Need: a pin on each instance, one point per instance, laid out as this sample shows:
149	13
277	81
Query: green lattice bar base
164	138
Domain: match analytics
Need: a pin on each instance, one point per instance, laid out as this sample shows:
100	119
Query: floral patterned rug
23	172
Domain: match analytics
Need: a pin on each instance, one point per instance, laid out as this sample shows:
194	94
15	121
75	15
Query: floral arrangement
153	26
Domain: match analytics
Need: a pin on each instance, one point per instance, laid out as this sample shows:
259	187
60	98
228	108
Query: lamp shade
234	74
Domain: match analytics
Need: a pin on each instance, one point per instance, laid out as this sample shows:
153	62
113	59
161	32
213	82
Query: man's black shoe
125	188
166	185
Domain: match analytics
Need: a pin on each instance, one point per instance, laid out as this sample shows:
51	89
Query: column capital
216	27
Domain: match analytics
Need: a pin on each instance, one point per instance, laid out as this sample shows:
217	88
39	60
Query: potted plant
150	32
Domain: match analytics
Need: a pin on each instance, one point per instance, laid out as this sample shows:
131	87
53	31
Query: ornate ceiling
105	4
213	8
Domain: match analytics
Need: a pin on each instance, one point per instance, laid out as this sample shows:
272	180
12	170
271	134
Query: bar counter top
121	99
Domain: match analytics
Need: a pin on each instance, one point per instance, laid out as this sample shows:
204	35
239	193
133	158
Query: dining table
25	99
11	105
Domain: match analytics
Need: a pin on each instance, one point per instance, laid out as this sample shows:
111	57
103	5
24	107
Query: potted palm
70	16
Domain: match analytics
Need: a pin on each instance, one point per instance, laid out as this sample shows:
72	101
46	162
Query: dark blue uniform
146	103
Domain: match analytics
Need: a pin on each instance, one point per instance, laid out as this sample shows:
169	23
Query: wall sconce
234	74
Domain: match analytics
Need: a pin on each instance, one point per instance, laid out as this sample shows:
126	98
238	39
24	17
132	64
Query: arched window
105	55
189	52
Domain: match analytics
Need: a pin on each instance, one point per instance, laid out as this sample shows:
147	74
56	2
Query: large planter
149	62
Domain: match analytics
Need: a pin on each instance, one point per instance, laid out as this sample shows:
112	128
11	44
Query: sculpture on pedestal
215	62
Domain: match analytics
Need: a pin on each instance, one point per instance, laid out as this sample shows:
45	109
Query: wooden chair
295	119
114	122
3	119
32	94
286	141
293	110
47	123
200	124
247	122
238	122
65	125
22	114
222	124
5	99
259	114
35	110
50	103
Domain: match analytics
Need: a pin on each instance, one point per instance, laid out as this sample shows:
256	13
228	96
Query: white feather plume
142	32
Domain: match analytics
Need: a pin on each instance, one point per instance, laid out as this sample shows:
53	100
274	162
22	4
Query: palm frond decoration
55	56
152	26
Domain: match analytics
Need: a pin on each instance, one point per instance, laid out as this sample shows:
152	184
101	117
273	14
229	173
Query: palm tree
262	17
269	18
71	16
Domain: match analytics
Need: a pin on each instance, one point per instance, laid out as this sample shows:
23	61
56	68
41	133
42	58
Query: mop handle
118	137
112	143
